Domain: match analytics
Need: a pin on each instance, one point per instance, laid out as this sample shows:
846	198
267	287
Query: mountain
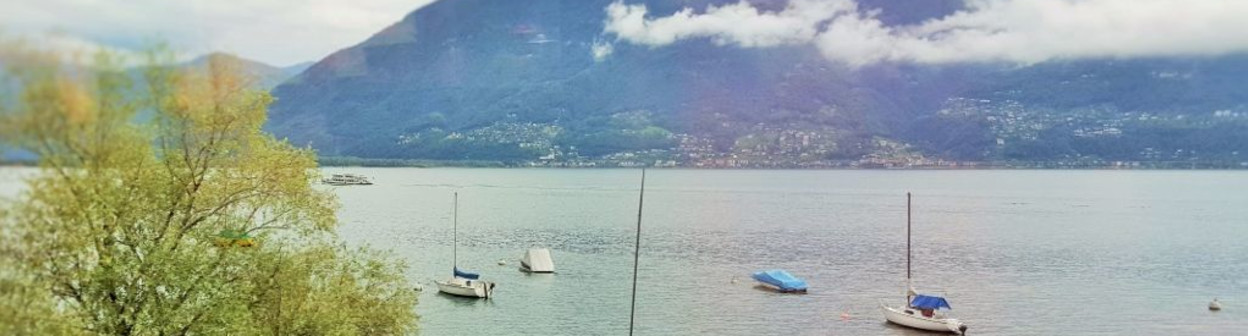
295	69
518	82
268	76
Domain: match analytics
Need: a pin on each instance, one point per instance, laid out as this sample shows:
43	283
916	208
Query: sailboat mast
907	239
455	232
641	198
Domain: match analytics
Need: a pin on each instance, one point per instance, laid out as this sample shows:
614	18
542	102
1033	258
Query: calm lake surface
1016	252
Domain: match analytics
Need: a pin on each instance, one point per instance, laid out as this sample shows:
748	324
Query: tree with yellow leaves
119	231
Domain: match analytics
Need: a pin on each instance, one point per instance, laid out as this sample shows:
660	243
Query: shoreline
404	163
346	162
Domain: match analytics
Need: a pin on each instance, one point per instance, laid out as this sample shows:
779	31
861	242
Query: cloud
279	32
1019	31
71	45
59	47
738	24
601	49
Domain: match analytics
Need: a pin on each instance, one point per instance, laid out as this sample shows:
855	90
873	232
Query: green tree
118	233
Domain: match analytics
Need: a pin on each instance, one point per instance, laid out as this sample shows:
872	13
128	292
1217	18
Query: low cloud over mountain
1016	31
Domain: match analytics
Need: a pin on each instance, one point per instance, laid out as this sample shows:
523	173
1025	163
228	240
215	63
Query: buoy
502	262
1215	306
845	316
419	288
734	279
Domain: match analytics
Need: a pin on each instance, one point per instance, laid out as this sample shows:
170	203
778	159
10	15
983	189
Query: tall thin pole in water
641	198
455	233
907	245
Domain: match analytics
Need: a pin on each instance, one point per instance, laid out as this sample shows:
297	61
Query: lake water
1015	252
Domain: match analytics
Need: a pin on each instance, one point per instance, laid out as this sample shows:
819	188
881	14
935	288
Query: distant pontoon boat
346	180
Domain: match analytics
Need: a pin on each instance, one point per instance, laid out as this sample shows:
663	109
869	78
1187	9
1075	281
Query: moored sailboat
463	283
467	285
920	311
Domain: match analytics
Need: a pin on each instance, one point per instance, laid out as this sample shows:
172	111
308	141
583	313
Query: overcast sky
278	32
284	32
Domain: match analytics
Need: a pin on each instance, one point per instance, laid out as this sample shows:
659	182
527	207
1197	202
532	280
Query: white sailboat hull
466	288
918	321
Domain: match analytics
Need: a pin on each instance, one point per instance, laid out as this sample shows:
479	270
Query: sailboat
920	311
463	283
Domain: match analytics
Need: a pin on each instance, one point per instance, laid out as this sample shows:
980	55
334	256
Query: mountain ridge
494	80
267	76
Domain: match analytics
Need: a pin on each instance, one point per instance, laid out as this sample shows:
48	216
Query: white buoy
419	287
1215	306
734	279
502	262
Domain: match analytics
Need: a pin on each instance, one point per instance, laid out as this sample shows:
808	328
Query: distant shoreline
348	162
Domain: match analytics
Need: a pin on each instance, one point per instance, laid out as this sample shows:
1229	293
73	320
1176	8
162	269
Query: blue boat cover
780	279
929	302
466	275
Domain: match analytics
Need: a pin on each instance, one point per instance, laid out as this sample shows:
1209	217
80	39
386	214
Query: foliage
116	235
619	132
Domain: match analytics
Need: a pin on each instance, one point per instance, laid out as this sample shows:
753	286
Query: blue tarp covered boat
780	280
929	302
466	275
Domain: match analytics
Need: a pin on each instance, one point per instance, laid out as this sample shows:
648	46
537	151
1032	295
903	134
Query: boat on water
537	260
1215	305
923	312
920	311
346	180
466	284
780	280
463	283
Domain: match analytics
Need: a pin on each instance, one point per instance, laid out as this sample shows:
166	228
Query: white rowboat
537	261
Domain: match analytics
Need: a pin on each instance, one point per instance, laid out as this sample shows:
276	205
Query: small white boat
537	260
460	286
346	180
463	283
1215	305
920	311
